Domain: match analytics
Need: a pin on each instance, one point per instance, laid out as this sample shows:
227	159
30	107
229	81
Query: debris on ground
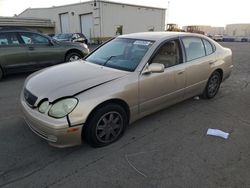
217	132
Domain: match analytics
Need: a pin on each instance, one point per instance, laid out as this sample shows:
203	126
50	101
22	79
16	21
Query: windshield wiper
108	60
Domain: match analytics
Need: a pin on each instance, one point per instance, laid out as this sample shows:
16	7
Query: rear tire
105	126
212	86
1	73
73	56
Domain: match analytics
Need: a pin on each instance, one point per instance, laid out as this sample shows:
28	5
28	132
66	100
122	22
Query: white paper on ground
217	132
196	98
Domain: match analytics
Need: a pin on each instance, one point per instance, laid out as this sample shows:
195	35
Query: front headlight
43	107
84	45
63	107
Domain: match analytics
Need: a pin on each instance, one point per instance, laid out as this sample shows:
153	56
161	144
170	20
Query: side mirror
51	43
154	68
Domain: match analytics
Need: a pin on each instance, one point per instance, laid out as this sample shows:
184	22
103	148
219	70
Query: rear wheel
73	56
106	125
213	85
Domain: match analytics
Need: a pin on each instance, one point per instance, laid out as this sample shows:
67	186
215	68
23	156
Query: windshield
121	53
63	36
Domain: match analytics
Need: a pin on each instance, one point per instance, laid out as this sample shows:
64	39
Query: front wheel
213	85
106	125
74	56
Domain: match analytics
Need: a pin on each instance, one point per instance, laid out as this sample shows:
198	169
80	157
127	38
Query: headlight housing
63	107
84	45
43	107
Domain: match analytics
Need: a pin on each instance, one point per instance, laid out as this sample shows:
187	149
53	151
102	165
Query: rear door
41	51
198	61
158	90
13	54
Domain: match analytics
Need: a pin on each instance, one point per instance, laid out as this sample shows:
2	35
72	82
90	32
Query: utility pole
168	12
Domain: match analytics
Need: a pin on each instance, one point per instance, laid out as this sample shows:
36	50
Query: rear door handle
31	48
181	72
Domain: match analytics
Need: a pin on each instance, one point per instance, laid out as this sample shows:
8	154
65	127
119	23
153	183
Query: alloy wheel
109	127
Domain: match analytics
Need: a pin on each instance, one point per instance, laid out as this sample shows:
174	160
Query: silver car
125	79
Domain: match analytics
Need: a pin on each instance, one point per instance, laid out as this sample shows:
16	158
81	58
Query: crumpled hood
69	79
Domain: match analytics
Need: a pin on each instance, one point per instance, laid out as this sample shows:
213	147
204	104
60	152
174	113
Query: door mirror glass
154	68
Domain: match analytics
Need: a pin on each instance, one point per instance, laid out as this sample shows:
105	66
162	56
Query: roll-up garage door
87	25
64	19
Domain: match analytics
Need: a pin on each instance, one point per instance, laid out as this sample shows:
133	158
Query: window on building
118	30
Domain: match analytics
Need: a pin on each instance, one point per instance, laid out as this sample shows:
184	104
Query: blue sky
182	12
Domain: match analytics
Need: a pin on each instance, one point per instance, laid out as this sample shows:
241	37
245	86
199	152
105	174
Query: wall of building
131	18
238	30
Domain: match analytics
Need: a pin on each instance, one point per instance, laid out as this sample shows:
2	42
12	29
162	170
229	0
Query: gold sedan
123	80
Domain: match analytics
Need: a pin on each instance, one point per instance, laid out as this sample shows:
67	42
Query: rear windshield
121	53
63	36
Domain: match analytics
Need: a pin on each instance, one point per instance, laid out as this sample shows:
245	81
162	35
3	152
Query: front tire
73	56
212	86
106	125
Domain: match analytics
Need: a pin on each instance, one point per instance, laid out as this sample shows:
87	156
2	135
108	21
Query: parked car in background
125	79
71	37
218	38
23	51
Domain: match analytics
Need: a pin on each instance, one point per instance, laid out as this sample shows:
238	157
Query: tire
212	86
1	73
105	126
73	56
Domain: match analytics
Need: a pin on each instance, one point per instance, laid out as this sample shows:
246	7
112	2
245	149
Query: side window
33	38
8	39
194	48
3	40
208	46
75	36
168	54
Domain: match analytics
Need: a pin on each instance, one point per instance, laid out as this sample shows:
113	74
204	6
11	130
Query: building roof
103	1
26	22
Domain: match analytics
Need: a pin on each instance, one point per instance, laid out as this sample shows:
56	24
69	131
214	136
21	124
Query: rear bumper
55	131
227	72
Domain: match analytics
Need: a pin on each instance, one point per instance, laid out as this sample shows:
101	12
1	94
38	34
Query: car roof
155	36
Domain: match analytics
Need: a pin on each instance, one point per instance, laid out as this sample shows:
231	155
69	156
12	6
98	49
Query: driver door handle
31	48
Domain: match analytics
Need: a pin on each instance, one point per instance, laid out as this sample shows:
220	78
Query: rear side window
33	38
8	39
194	48
208	46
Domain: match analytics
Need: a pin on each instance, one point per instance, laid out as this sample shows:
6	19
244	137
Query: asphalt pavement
167	149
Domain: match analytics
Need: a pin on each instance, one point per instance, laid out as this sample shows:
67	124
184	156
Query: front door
41	52
158	90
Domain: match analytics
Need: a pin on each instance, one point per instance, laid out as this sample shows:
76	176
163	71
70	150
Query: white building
101	19
238	30
209	30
